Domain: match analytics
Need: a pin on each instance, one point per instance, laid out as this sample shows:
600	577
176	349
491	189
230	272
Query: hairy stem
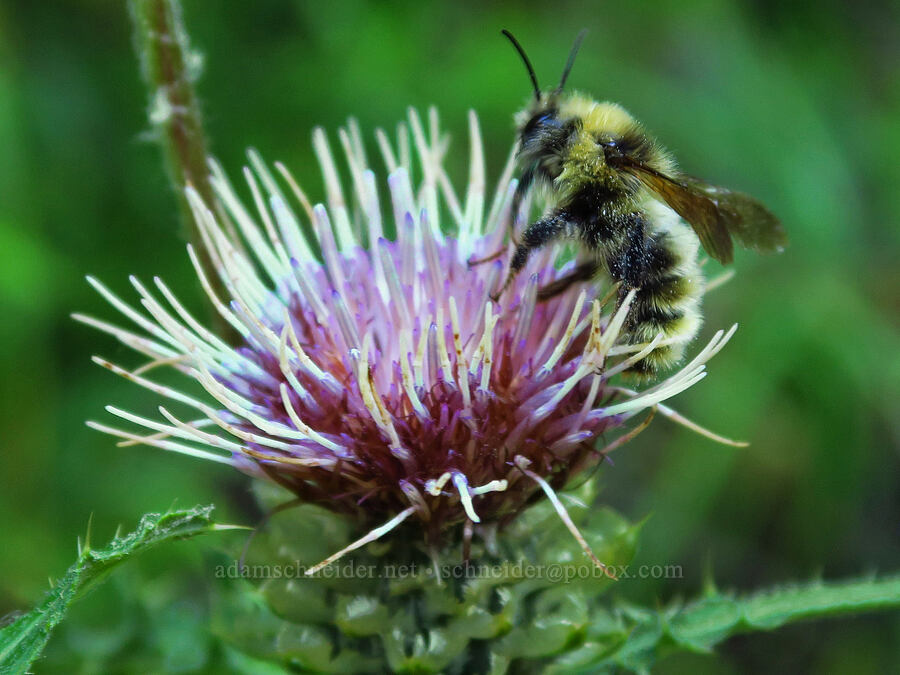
169	68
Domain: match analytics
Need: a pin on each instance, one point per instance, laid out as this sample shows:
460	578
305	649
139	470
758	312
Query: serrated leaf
700	625
22	641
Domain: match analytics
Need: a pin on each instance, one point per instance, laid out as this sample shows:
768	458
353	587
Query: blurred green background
798	104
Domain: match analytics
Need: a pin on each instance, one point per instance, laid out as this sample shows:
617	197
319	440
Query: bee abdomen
667	299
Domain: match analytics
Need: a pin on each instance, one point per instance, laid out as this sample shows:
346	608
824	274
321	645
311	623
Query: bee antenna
534	82
571	61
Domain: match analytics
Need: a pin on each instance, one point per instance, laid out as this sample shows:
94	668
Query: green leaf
22	641
700	625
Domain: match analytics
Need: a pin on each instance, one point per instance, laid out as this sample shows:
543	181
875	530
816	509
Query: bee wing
691	204
714	212
751	223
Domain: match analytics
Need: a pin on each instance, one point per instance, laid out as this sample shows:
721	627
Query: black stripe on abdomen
665	302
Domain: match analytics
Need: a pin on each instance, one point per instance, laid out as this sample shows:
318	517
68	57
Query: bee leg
525	182
536	235
582	272
471	262
512	234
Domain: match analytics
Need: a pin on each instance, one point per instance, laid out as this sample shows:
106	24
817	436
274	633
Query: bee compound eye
541	121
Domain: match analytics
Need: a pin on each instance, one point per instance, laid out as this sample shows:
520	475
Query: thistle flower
374	375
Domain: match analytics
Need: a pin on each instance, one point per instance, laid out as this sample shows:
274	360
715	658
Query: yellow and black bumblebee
619	195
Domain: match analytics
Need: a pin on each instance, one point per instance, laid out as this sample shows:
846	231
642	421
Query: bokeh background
797	103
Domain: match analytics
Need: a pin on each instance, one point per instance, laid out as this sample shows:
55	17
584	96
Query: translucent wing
695	207
714	213
751	223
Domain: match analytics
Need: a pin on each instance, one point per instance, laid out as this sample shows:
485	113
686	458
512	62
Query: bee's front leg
525	182
521	190
538	234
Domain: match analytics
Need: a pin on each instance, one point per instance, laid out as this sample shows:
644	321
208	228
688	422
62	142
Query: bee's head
540	129
539	125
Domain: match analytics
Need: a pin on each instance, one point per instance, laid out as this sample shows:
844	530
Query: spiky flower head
373	374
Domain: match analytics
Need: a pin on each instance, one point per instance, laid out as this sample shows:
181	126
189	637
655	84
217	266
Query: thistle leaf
641	636
23	640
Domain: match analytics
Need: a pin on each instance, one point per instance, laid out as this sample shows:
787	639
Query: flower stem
169	68
163	49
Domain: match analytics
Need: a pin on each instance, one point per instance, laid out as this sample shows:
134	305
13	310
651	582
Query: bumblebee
619	195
